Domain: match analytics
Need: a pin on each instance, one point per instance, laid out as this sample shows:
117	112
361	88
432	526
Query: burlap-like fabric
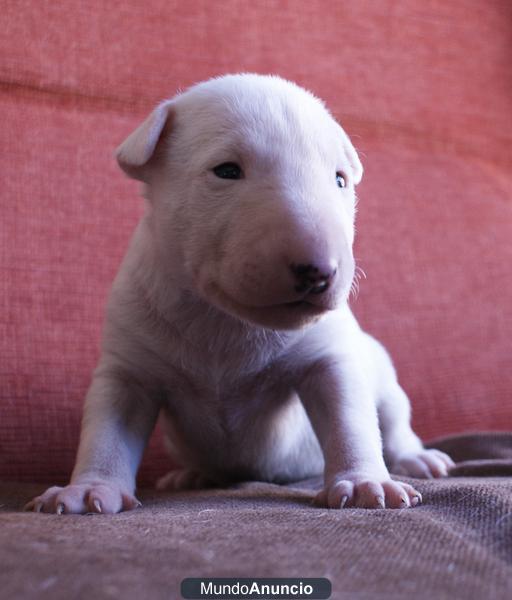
456	546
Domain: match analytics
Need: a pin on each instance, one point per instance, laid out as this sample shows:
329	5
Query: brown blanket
458	544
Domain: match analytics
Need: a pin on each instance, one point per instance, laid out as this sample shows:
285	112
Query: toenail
380	501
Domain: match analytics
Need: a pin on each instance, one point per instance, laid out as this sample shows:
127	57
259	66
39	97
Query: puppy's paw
183	479
98	496
362	492
425	464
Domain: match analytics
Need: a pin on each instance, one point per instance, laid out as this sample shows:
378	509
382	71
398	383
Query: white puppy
229	314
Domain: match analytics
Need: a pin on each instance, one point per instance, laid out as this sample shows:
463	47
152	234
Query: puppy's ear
135	153
355	163
353	158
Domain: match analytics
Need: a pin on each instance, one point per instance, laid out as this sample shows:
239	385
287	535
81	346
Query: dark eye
340	180
228	170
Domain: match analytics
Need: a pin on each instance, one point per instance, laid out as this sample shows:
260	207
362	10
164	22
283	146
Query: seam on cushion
64	97
357	126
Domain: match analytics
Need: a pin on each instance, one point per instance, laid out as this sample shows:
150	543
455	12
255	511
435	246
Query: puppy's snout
313	278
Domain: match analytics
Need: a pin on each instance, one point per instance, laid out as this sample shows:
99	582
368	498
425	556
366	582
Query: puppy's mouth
286	315
297	304
283	315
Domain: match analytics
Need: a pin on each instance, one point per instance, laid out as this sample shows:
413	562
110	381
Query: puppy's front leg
119	416
344	415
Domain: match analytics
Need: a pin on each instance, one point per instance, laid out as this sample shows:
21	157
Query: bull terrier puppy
229	316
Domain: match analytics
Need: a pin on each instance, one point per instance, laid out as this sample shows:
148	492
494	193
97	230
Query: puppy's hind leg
403	451
183	479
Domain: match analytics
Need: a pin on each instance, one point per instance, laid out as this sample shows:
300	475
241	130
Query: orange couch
423	88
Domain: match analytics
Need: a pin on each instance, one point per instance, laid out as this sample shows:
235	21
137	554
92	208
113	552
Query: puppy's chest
221	359
212	362
215	421
216	382
229	400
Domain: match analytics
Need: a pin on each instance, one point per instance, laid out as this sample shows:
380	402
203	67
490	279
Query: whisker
359	272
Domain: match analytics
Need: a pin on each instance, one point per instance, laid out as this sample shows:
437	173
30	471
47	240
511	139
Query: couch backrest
423	88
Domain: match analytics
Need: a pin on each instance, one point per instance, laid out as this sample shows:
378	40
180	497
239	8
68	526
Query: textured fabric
427	68
423	88
458	544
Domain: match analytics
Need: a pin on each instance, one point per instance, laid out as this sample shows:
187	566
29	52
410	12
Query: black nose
311	279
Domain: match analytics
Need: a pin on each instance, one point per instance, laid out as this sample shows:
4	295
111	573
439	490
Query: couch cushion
435	241
68	213
435	218
434	292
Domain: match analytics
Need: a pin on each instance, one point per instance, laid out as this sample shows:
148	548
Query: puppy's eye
228	170
340	180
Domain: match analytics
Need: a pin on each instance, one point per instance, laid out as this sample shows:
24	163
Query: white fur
205	326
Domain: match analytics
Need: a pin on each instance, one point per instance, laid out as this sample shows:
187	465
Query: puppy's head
251	189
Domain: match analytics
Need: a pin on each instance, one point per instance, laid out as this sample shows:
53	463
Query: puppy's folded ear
355	163
353	158
135	154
